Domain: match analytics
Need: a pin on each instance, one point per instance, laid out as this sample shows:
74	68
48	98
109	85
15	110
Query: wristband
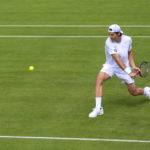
127	70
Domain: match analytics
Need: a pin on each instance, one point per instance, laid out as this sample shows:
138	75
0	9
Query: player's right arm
110	48
116	57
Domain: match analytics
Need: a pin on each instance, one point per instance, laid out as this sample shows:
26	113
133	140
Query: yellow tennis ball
31	68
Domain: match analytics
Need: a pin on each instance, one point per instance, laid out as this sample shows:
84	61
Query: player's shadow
132	102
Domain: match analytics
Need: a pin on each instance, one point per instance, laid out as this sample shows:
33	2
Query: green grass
55	99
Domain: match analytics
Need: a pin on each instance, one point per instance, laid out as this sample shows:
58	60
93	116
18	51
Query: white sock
98	102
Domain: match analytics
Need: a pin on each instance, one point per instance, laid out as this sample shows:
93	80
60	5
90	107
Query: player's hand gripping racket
143	69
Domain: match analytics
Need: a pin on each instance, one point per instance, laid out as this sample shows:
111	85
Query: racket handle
138	73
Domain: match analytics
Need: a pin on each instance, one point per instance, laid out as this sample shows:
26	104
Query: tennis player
118	51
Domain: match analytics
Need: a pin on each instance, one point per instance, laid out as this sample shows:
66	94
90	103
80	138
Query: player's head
115	32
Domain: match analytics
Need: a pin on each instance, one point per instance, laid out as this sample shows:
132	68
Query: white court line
75	139
77	26
28	36
9	36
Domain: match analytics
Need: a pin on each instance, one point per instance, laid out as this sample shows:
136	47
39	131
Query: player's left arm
132	62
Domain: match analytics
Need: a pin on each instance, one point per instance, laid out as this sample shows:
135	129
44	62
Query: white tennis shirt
121	49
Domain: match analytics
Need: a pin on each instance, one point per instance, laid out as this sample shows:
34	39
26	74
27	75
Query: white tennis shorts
122	75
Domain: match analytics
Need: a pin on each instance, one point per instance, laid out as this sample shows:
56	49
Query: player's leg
138	91
98	110
131	85
133	90
102	76
129	82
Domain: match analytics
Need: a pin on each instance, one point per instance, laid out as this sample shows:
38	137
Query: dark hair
119	32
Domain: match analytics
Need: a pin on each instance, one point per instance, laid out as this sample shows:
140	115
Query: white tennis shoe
147	91
96	112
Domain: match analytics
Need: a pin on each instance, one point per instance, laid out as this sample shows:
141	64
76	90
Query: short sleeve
110	49
130	45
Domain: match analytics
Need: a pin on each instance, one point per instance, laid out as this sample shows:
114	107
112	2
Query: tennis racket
143	69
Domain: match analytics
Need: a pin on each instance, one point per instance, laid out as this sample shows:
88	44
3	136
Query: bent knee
133	92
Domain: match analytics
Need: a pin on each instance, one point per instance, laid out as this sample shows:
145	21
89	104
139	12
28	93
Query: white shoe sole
98	114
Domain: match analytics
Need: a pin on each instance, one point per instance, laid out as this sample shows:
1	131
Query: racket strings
144	69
